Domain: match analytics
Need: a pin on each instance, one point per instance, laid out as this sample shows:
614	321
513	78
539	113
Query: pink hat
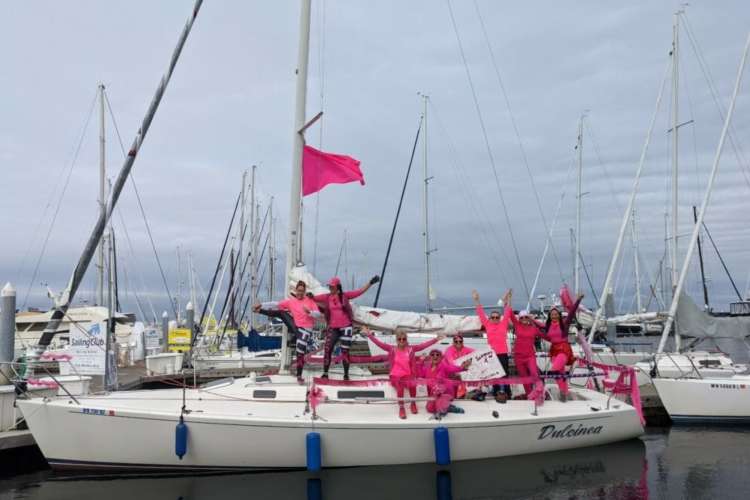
335	281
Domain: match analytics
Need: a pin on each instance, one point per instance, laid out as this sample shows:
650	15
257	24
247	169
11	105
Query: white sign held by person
484	365
87	346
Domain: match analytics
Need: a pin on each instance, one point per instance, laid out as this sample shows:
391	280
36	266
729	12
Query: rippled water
680	462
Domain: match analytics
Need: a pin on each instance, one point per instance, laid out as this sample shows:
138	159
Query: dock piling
7	330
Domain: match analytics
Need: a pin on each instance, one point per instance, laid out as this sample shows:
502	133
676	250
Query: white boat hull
228	429
707	400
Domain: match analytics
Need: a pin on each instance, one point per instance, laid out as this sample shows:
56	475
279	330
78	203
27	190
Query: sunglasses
494	316
436	355
401	339
458	341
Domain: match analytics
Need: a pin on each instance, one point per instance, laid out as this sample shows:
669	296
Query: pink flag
320	169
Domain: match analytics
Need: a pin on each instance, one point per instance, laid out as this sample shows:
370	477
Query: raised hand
475	296
256	307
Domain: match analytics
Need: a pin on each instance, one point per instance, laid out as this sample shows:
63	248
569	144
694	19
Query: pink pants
526	367
399	384
558	365
443	397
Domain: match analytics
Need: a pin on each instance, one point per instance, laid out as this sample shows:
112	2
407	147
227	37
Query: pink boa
625	383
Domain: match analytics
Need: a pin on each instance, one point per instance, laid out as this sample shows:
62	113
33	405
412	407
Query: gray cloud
230	105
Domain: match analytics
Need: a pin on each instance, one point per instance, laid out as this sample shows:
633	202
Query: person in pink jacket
457	349
403	363
496	329
524	353
304	311
438	371
339	316
560	353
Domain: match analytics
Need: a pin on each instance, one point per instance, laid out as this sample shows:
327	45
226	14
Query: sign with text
87	346
484	365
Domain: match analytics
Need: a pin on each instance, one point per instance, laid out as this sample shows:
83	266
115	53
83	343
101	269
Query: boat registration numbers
96	411
728	386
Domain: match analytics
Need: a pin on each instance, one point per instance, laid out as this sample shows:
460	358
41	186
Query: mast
253	246
179	287
293	250
271	251
110	377
426	210
675	151
675	133
704	204
700	260
577	257
102	198
627	214
62	303
636	264
255	263
242	233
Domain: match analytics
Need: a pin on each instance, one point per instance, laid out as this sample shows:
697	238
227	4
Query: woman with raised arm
526	330
403	363
339	316
560	352
303	311
496	329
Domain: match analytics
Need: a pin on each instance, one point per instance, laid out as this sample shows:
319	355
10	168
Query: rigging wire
723	264
321	71
59	204
736	147
489	149
474	201
143	211
521	147
398	213
132	253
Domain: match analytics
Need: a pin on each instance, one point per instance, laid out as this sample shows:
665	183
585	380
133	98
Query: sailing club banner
86	348
484	365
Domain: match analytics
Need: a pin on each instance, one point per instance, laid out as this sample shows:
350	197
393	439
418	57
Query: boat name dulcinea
550	431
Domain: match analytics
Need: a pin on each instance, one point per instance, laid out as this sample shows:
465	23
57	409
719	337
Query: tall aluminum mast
63	301
293	247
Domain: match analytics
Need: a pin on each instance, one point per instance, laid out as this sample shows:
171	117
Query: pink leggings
558	365
526	367
400	385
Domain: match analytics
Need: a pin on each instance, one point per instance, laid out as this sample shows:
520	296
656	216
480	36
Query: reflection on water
614	470
665	463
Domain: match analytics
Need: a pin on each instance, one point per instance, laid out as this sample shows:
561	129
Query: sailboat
282	424
695	397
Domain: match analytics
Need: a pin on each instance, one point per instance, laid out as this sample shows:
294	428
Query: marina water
677	462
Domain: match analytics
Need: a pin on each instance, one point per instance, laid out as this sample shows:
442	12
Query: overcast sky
230	105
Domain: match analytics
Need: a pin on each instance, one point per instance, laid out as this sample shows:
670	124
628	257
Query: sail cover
692	322
388	319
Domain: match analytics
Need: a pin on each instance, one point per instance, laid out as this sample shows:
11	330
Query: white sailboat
696	397
354	423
